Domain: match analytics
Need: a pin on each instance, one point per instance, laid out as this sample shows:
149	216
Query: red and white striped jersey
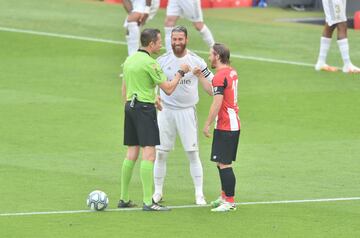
225	81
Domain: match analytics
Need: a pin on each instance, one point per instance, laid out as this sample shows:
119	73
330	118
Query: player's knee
224	166
161	155
342	30
133	17
170	21
198	25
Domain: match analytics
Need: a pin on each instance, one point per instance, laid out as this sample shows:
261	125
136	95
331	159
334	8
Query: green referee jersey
141	74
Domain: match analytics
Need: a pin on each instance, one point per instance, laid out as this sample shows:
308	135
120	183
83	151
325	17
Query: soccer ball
97	200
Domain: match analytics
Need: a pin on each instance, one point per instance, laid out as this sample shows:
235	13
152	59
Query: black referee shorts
224	146
140	125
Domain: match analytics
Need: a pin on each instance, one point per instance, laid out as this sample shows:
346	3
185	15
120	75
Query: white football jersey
186	93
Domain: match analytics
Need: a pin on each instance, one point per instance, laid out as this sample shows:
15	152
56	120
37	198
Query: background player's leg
205	33
133	38
170	22
325	43
343	44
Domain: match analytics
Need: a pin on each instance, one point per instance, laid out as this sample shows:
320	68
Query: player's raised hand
196	71
185	68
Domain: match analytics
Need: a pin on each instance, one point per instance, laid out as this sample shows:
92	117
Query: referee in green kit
141	75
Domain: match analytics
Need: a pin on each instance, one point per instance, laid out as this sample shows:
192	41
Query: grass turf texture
61	128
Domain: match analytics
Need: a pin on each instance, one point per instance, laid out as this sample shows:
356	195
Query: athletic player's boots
123	204
200	200
351	69
155	208
217	202
225	207
325	67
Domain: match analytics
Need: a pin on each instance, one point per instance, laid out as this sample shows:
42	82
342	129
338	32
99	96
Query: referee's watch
181	72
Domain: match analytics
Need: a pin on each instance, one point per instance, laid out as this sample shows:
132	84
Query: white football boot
157	197
351	69
200	200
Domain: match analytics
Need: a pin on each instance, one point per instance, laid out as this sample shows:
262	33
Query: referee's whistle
133	100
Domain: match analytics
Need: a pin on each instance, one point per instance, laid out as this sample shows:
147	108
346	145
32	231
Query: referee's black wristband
181	72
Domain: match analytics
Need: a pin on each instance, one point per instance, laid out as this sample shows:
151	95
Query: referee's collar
141	50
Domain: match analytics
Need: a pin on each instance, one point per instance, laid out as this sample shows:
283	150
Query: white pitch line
181	206
84	38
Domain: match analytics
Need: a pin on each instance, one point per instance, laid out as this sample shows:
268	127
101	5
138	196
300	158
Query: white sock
160	170
344	50
196	171
207	36
168	38
133	38
325	44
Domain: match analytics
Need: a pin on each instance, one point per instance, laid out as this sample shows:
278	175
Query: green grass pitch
61	128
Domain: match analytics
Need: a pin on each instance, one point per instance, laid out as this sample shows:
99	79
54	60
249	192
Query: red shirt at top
225	82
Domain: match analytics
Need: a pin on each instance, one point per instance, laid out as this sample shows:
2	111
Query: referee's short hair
149	35
180	29
223	52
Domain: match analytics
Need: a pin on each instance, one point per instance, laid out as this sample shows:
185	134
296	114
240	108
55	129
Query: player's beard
213	64
178	49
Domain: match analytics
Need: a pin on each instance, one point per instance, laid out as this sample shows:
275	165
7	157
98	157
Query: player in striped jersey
224	111
178	115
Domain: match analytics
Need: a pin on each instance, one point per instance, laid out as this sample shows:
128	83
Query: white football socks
196	171
133	38
207	36
160	170
168	38
325	44
344	50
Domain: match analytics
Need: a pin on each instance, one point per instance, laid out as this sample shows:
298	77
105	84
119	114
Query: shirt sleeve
219	84
156	73
219	80
205	71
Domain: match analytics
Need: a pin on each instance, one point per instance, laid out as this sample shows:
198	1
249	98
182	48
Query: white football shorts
178	121
139	6
335	11
189	9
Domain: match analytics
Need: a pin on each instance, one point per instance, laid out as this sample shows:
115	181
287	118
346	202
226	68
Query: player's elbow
168	92
167	88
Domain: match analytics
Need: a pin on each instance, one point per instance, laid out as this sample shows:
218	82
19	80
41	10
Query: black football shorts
140	125
224	146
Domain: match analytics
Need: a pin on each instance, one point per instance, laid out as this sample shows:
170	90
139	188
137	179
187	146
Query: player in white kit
139	12
178	114
191	10
335	17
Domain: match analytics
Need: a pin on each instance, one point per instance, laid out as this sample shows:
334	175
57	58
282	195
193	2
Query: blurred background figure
335	18
139	12
191	10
